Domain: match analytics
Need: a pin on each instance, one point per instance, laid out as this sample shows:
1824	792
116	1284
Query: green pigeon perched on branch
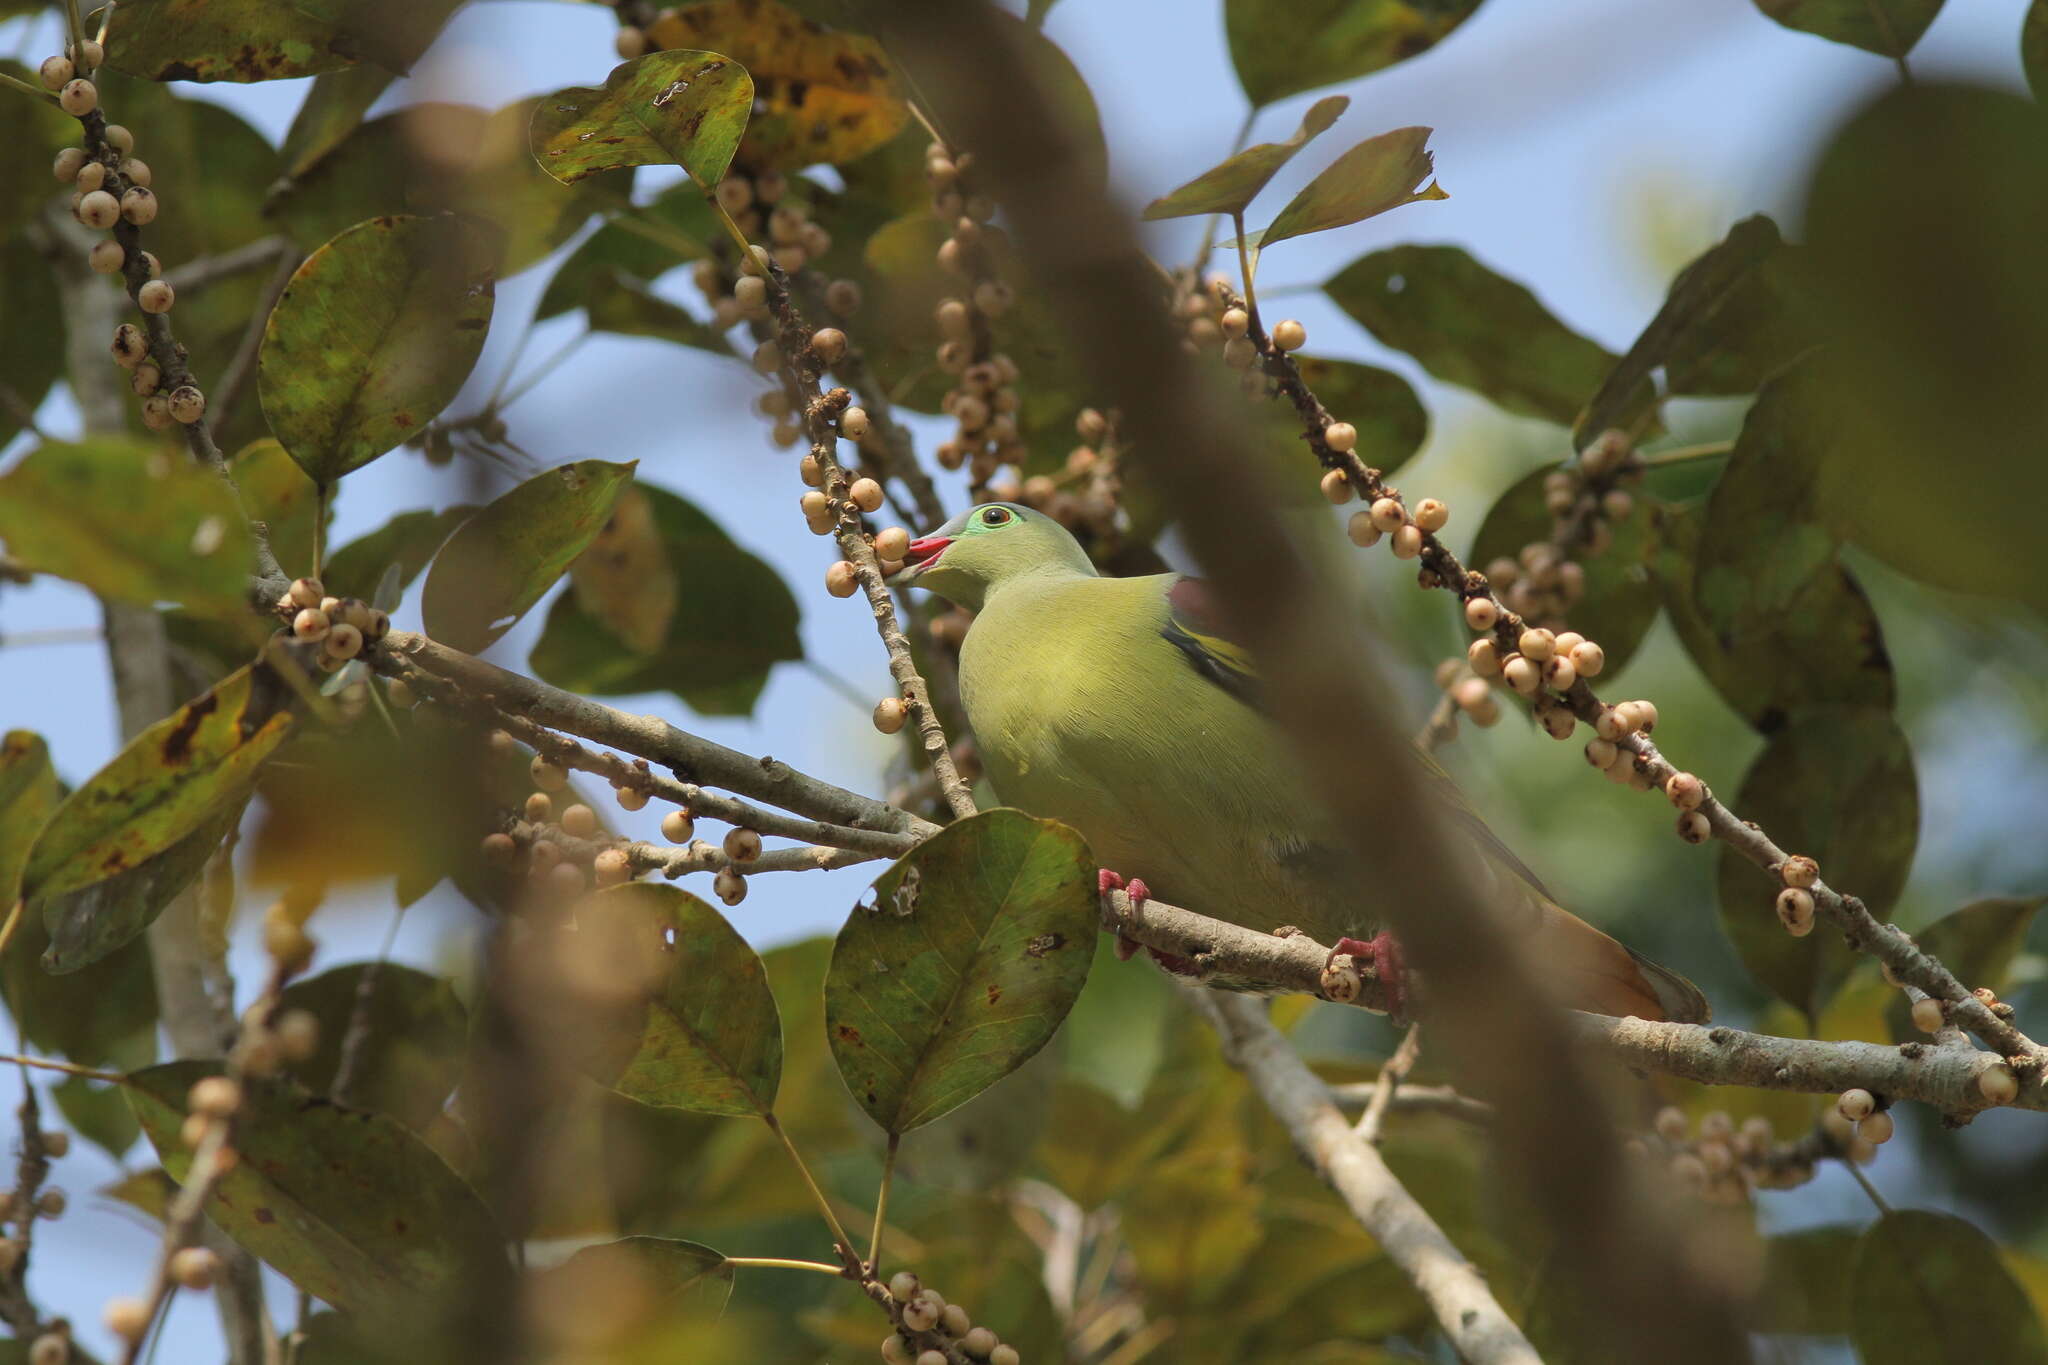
1118	706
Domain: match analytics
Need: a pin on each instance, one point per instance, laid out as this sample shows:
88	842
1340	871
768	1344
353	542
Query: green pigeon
1118	706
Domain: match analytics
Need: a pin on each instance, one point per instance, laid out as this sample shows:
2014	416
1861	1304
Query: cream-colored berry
1005	1354
107	256
1799	870
194	1268
1639	716
842	579
310	624
79	97
566	879
579	820
1481	613
1997	1083
1877	1129
68	164
729	886
1484	656
120	138
1407	542
1588	658
1559	674
137	172
853	423
1388	514
1557	721
156	412
892	543
188	404
1240	354
92	176
1693	827
89	54
306	592
127	1318
1341	437
138	205
1795	909
1537	644
156	296
890	713
51	1348
742	845
56	72
1523	674
1337	486
1234	323
828	344
866	494
1361	530
343	641
677	827
630	798
1289	335
548	776
1928	1015
499	848
611	867
1685	791
921	1313
1432	515
767	357
1610	724
99	209
539	807
1601	753
895	1351
978	1342
216	1097
1856	1105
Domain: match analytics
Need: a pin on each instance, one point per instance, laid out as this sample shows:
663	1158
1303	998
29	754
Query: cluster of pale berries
927	1317
1085	495
342	626
1724	1163
983	399
1585	501
1213	314
550	865
49	1204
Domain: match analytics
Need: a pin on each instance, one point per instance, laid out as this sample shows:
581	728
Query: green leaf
433	158
1620	601
169	780
2034	47
1837	785
97	1112
1378	174
617	303
349	1206
1886	27
333	109
1471	327
819	95
1978	943
32	342
391	33
1927	303
680	108
276	492
1727	324
1825	649
372	338
412	1052
709	1039
131	521
714	642
225	40
1282	47
504	558
407	542
658	1275
1232	185
87	924
1805	1282
29	792
961	964
32	132
1929	1286
641	243
1392	423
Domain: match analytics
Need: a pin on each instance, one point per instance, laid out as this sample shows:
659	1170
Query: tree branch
1456	1292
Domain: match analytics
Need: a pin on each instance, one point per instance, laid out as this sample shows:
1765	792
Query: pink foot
1390	966
1107	881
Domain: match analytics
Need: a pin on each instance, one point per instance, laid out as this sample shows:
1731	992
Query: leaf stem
1244	269
68	1068
1244	134
882	1202
783	1263
319	527
1868	1188
824	1205
732	228
26	88
106	21
13	923
1686	454
543	370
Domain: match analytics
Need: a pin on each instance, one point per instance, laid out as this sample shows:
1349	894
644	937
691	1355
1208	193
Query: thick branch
691	757
1456	1292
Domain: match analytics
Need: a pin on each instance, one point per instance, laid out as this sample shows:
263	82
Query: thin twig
1392	1072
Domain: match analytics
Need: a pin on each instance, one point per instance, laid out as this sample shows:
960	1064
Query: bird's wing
1195	628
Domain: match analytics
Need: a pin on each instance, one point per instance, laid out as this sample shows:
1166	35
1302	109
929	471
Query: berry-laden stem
1441	568
882	1202
842	1243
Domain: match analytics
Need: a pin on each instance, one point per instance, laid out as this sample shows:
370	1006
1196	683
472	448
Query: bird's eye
995	516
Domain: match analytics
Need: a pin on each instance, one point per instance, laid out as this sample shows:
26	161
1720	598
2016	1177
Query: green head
987	546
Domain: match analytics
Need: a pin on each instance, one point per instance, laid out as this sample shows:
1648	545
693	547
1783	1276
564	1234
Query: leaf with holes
1887	27
819	95
680	108
1978	943
170	780
347	1205
1837	784
1283	47
131	521
716	647
1232	185
1929	1286
960	964
501	561
698	1028
412	1050
1379	174
1471	327
371	339
1620	601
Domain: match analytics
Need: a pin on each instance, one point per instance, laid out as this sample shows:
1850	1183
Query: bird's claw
1107	881
1389	965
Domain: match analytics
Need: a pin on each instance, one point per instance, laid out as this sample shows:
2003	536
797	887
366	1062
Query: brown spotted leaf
502	560
819	95
225	40
373	336
168	782
347	1205
682	108
960	964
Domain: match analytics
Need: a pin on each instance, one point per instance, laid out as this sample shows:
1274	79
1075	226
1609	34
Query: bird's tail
1594	972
